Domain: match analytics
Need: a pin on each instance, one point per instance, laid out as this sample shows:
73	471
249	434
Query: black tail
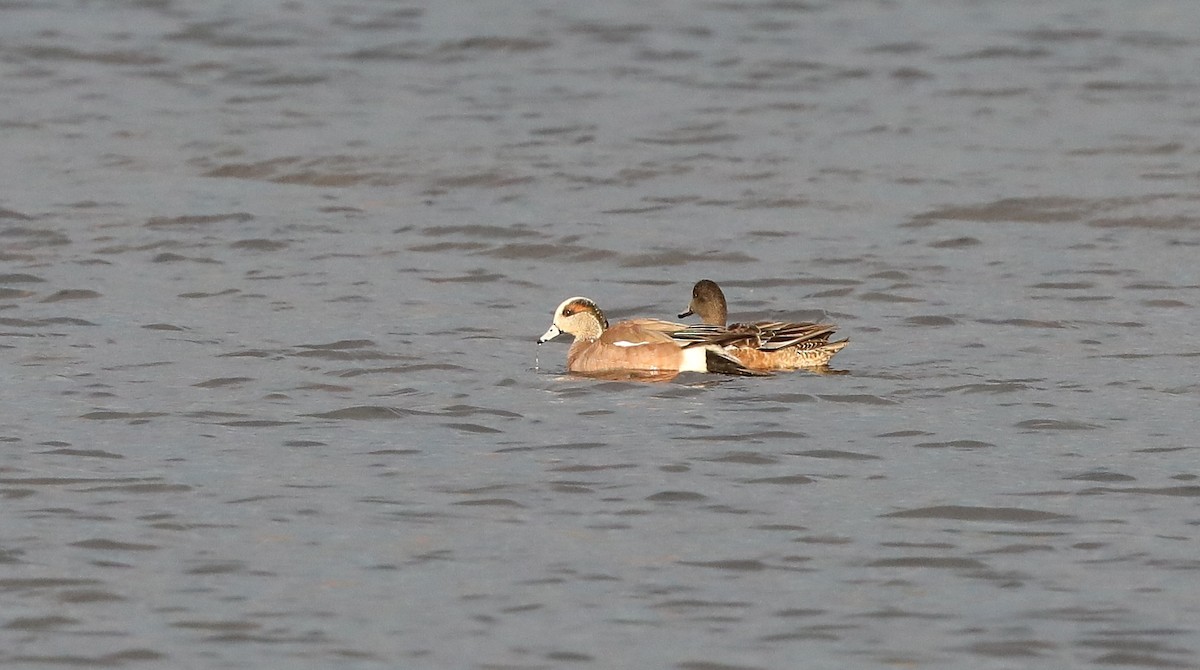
723	364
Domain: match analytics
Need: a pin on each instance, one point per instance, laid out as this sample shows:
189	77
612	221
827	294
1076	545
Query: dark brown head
708	302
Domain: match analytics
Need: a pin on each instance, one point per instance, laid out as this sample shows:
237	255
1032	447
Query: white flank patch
695	359
623	343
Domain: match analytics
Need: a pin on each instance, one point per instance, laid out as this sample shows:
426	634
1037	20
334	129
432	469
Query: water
271	275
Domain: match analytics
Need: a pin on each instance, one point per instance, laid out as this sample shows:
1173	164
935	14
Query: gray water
271	275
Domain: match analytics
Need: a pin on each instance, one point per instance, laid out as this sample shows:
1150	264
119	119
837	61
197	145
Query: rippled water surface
271	275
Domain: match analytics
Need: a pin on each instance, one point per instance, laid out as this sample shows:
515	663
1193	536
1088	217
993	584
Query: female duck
765	345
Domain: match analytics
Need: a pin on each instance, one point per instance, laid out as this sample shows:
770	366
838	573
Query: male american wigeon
766	345
637	344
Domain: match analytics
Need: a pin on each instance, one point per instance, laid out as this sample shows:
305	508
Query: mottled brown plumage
762	345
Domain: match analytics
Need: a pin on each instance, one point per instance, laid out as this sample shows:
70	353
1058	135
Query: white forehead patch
568	301
623	343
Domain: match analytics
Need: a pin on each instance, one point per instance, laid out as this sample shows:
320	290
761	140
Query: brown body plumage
635	345
764	345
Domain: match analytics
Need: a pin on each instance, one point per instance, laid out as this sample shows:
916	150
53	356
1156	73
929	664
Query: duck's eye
568	310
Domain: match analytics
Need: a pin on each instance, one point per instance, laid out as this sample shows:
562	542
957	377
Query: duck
763	345
642	345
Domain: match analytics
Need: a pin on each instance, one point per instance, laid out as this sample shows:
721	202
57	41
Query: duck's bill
550	334
686	313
